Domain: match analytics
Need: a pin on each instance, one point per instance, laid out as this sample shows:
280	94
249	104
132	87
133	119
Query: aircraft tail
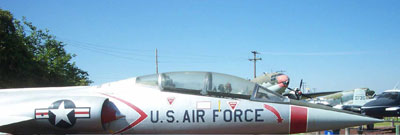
359	97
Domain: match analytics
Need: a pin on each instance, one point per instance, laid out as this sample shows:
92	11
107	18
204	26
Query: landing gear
336	131
370	127
360	130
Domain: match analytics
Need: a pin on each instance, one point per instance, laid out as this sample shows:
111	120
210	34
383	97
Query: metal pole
255	60
255	64
347	131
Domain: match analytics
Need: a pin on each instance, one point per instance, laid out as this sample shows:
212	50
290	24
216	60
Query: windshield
264	94
148	80
273	77
389	95
208	83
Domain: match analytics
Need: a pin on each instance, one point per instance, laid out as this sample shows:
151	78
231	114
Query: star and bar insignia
62	113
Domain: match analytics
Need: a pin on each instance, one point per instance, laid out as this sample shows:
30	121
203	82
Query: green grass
388	124
384	124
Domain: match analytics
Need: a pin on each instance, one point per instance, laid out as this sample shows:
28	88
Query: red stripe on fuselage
298	119
42	113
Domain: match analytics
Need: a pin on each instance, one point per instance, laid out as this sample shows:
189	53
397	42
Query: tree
33	57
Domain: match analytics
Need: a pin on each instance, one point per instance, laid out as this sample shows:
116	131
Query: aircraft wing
317	94
6	120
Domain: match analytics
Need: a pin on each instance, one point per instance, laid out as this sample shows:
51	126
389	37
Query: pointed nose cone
323	119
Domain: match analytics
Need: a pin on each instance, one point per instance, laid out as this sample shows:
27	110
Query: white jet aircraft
166	103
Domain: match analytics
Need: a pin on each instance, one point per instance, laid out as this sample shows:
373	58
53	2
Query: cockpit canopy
209	83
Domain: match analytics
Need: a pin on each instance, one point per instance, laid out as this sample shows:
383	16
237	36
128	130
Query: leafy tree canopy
30	57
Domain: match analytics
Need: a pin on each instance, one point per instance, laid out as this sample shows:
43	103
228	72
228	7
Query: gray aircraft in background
351	100
279	82
348	100
166	103
274	81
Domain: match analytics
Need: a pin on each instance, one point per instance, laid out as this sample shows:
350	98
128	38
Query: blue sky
332	45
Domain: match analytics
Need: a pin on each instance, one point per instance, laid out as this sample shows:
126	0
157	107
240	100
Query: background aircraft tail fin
396	86
359	97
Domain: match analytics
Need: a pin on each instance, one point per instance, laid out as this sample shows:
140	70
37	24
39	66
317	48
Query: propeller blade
301	84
